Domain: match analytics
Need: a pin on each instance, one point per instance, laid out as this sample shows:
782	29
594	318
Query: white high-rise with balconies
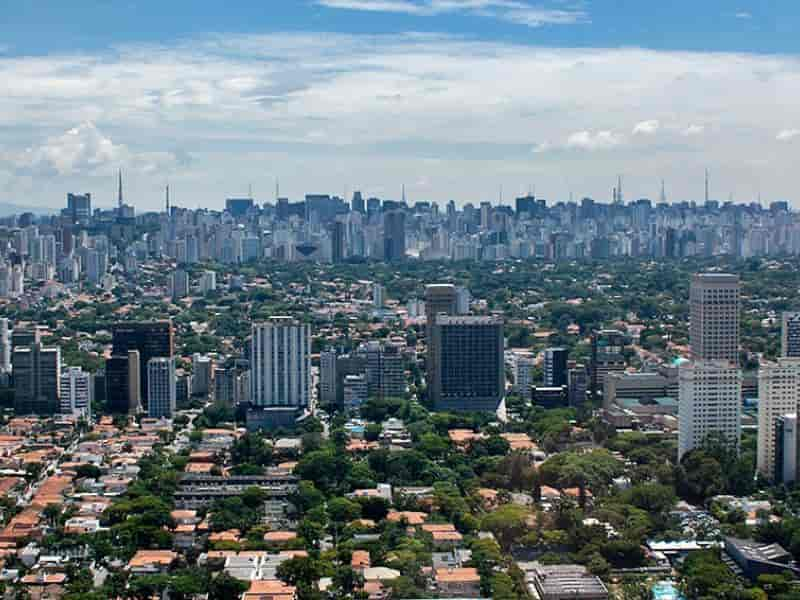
76	392
281	363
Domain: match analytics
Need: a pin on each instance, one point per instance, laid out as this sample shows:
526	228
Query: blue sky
453	98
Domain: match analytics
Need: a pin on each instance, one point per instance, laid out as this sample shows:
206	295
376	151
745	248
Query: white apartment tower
778	394
281	363
710	401
76	392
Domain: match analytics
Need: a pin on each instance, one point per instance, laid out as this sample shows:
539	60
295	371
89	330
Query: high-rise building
337	241
179	284
378	295
37	379
202	369
327	377
208	282
153	339
77	390
357	203
709	403
790	334
394	235
161	392
786	449
714	317
778	395
385	374
469	374
577	384
440	298
607	356
281	363
123	383
79	207
355	391
555	367
5	346
522	369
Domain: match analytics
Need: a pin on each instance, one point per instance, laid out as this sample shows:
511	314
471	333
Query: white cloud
588	140
787	134
743	14
512	11
368	110
85	151
693	130
646	127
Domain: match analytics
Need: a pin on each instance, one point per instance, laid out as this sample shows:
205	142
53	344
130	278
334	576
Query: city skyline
451	99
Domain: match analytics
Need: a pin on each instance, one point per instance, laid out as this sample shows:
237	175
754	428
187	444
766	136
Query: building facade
778	395
161	392
281	363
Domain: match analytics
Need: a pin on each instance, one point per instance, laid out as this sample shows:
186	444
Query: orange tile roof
279	536
146	558
463	575
412	517
360	559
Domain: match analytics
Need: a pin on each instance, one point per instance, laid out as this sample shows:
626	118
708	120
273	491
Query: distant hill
7	209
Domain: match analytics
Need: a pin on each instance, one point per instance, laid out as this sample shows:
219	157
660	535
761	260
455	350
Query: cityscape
411	390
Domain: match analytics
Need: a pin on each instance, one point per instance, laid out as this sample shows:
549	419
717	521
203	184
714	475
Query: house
44	586
443	534
149	562
458	583
81	526
563	582
411	517
270	589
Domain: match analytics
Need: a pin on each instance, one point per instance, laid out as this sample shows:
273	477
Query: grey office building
790	335
714	317
469	373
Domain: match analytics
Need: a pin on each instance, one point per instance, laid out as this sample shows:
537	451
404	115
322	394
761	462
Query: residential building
152	339
355	391
778	395
709	402
281	363
608	346
77	390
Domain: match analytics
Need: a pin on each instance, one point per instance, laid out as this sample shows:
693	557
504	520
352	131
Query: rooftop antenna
119	190
167	199
501	194
619	189
706	186
250	190
663	198
404	193
277	189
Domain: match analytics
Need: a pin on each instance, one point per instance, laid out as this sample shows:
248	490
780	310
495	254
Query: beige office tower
714	317
778	394
440	298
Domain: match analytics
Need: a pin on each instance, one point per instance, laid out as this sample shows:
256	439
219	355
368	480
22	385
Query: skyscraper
37	379
714	317
710	387
153	339
179	284
790	334
555	367
281	363
394	235
778	395
385	375
469	373
123	381
161	392
337	242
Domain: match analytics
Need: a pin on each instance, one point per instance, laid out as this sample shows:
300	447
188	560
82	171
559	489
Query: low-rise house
148	562
270	589
457	583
